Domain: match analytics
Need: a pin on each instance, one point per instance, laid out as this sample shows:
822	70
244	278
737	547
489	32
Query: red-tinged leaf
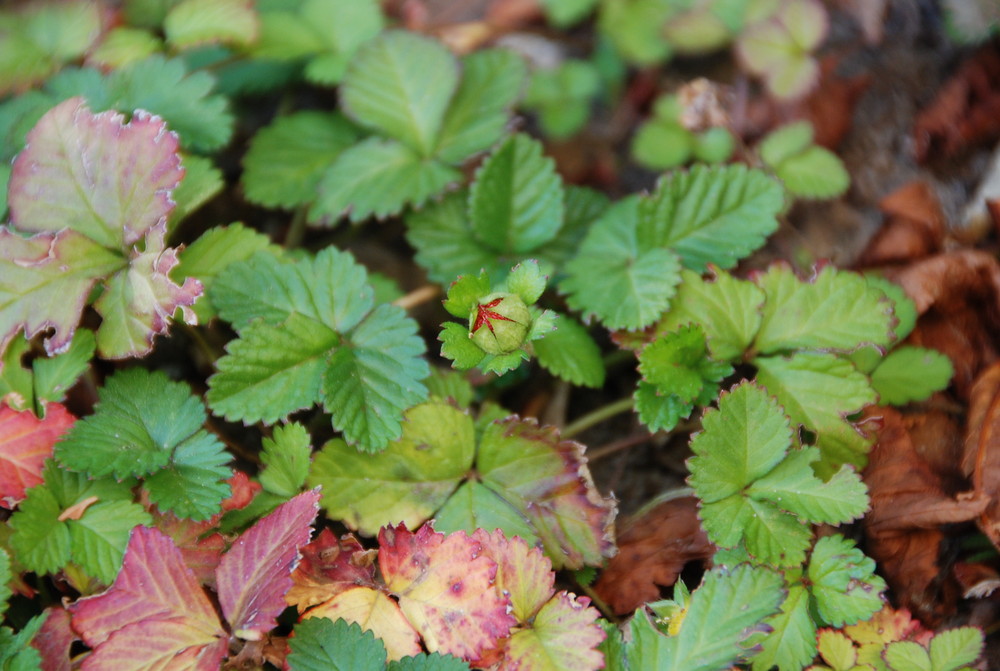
446	589
201	553
154	616
329	567
243	490
95	174
54	639
25	443
255	574
523	572
374	611
563	637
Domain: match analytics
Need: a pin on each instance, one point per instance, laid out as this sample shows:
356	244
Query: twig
418	296
617	446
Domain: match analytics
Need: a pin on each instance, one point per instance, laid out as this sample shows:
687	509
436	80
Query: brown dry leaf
966	110
981	460
465	26
652	552
958	298
914	226
908	507
830	107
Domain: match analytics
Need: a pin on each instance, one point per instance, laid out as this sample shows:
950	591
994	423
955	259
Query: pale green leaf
194	484
285	457
724	612
140	418
99	537
124	45
838	650
473	506
728	309
677	364
792	486
196	22
835	310
743	440
613	277
785	142
516	200
202	181
270	371
378	178
907	656
956	647
563	636
662	145
775	537
571	354
401	84
444	243
214	251
527	281
406	482
583	207
636	29
843	582
445	384
911	374
815	173
792	643
40	541
374	377
480	110
55	375
711	215
286	160
458	347
566	12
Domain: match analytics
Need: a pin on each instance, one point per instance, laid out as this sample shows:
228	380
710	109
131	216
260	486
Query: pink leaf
255	574
524	573
154	615
54	639
446	589
25	443
95	174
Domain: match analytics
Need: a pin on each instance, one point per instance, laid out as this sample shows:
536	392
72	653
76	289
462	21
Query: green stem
598	602
597	416
297	229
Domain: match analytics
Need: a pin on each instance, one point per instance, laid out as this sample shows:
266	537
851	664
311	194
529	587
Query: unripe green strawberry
499	324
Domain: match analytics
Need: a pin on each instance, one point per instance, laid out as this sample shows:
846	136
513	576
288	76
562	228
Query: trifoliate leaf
100	536
140	418
677	364
636	29
457	346
154	591
408	481
815	173
464	294
843	582
613	277
270	371
445	588
378	178
480	110
400	84
42	525
26	442
710	215
530	468
778	48
527	281
563	637
785	142
659	412
723	613
792	642
473	506
375	377
286	160
835	310
255	574
911	374
194	484
444	242
285	457
320	644
214	251
728	309
516	200
196	22
571	354
819	391
330	289
341	27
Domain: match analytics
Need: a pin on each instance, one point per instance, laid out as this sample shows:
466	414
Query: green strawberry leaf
444	243
785	142
792	641
571	354
100	536
320	644
464	294
457	346
659	411
843	582
677	364
194	484
194	23
285	457
815	173
911	374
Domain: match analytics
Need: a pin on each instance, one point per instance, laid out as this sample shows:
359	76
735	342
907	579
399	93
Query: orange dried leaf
981	459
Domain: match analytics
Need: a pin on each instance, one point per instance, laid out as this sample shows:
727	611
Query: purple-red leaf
255	574
95	174
154	616
25	443
54	639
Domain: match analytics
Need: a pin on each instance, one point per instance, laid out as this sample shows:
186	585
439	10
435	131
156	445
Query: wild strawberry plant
177	520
